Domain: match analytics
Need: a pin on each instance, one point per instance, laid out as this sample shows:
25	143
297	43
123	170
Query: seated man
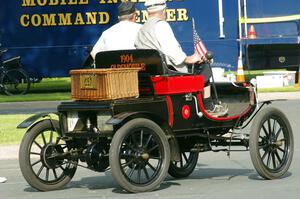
157	34
120	36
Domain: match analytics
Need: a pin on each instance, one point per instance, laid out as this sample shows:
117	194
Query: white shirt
120	36
170	46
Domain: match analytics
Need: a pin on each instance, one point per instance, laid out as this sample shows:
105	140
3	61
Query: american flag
198	44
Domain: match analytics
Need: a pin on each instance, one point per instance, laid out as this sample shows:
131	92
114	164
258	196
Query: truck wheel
139	155
271	143
186	165
39	157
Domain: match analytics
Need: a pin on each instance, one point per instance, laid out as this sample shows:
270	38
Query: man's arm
171	47
168	43
99	46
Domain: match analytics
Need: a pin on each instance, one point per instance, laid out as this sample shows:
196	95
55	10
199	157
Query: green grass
36	97
49	89
9	134
47	85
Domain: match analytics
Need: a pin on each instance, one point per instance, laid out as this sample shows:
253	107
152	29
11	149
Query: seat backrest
150	61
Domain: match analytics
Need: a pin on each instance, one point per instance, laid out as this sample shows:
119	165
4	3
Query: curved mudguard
119	118
31	120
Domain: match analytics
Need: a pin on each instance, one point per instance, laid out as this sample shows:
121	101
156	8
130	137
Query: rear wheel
139	155
271	143
15	82
186	165
40	157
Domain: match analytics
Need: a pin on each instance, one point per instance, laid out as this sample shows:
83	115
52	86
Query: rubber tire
257	123
24	159
114	155
22	73
177	172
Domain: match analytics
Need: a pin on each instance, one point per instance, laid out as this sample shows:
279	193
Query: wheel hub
145	156
48	155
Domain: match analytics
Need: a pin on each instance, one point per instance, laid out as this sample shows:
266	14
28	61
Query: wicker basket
104	84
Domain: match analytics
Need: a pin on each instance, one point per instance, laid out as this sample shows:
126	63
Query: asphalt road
216	176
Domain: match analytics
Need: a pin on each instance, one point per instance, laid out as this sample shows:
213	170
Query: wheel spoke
146	173
141	139
265	130
134	141
47	174
43	136
273	160
57	140
280	149
40	170
51	137
62	168
36	162
126	155
261	137
269	127
54	173
278	157
129	146
148	141
151	166
37	144
265	155
278	132
181	162
269	158
126	164
185	158
154	157
34	153
139	174
150	150
262	146
274	122
131	172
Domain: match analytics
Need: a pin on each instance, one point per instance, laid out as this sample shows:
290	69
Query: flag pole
193	21
193	28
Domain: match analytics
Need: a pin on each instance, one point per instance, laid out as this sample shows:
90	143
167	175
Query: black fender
121	117
125	116
31	120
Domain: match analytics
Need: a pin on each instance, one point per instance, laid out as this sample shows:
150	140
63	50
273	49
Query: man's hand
195	58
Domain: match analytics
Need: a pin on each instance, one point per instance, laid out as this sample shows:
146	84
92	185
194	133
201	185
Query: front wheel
271	143
139	155
15	82
40	157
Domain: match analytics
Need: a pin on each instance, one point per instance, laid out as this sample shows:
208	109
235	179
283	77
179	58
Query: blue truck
55	36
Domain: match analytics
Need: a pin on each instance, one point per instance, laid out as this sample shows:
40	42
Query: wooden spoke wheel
139	155
39	157
271	143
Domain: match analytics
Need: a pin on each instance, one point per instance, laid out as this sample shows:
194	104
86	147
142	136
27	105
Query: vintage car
148	133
